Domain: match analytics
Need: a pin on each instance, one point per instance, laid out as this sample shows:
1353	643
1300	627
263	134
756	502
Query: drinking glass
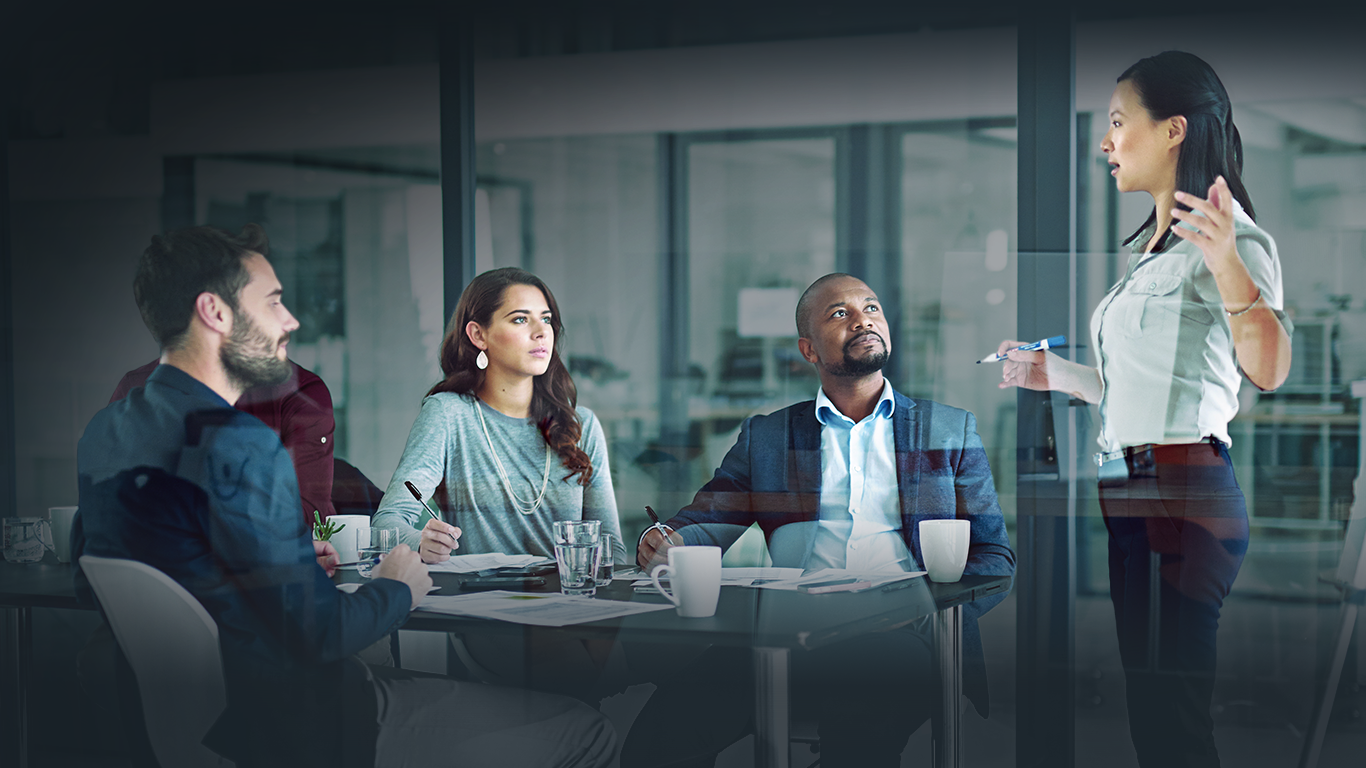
578	550
605	560
381	541
24	539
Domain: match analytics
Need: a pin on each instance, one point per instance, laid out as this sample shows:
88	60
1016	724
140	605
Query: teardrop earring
482	361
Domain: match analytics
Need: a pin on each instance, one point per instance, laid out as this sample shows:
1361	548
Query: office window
1296	451
356	241
581	213
958	264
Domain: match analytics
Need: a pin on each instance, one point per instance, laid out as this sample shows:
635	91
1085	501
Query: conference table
773	624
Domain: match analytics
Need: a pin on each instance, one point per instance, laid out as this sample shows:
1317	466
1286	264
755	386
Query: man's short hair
808	296
183	263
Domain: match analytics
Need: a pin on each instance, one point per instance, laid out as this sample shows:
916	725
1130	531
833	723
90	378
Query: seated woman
504	434
499	427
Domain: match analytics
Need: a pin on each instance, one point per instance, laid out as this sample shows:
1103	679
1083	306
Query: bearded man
841	481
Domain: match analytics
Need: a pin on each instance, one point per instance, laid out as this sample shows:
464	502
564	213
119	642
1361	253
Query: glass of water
605	560
381	541
578	550
24	539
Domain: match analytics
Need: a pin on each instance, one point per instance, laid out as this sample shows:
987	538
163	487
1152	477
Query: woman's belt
1137	461
1105	456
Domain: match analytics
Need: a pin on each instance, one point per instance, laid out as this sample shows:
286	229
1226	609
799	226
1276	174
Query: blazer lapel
805	449
906	434
804	477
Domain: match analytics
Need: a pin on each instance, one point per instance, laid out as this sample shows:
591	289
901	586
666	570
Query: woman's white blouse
1165	353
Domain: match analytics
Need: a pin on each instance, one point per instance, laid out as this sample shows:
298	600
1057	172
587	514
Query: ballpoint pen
374	559
418	495
658	525
1048	343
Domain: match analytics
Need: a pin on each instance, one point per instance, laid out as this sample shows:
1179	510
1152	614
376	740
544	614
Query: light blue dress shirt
860	508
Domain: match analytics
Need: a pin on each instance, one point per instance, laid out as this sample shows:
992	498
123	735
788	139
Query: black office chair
352	491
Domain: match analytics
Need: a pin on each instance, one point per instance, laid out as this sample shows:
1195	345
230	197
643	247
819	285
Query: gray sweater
447	442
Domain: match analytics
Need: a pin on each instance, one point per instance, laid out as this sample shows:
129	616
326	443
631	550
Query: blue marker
1049	343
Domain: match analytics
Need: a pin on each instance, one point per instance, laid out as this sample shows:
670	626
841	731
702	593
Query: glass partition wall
760	214
356	241
1296	451
719	231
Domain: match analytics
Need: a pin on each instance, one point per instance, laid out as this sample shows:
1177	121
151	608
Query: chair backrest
171	643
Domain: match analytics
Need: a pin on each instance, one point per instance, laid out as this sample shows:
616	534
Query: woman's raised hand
1213	222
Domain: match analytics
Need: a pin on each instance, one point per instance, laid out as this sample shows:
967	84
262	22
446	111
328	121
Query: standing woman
503	432
1199	306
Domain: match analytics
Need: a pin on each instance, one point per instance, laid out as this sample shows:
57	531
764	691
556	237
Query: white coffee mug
352	538
944	547
695	575
61	518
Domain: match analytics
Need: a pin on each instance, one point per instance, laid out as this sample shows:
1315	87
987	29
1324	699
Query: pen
1048	343
655	519
418	495
374	559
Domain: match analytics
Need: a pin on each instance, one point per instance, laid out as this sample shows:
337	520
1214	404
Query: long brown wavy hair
553	393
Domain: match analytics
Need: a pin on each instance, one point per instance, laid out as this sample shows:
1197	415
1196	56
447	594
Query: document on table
874	578
739	577
472	563
536	609
351	587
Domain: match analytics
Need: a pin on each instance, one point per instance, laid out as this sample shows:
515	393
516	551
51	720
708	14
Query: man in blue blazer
841	481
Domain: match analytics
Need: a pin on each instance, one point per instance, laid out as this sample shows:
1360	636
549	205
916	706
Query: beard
852	368
246	360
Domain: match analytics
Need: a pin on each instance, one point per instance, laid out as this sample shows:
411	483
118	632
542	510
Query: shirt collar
827	413
174	377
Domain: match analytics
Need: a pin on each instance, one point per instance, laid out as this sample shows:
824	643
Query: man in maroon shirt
299	410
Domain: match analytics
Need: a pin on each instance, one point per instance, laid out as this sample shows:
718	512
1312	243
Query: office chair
171	643
352	492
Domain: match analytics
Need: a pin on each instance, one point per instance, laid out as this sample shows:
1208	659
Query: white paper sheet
351	586
875	578
472	563
740	577
547	610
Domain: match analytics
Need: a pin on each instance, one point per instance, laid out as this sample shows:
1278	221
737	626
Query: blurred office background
678	178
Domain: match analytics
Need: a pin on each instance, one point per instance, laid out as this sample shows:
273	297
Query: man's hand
403	564
438	541
327	556
654	548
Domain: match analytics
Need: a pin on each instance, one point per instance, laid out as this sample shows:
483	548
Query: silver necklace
525	507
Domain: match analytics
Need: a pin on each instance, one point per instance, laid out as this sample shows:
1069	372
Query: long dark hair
1179	83
553	394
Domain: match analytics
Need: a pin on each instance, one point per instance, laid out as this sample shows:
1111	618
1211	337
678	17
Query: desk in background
47	584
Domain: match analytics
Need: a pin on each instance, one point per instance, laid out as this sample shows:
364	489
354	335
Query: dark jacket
174	477
772	476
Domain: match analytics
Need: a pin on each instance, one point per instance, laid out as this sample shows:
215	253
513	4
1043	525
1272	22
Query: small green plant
324	530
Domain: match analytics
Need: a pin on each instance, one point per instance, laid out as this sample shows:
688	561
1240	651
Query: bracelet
1248	308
